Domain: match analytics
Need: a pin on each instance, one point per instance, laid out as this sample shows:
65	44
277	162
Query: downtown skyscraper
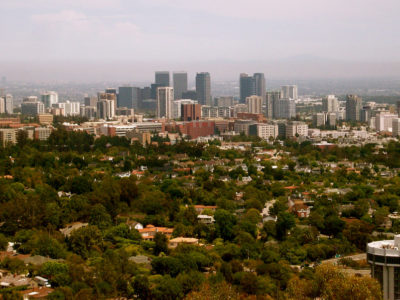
180	84
162	78
49	98
353	107
203	88
252	85
165	98
129	97
289	92
259	84
247	87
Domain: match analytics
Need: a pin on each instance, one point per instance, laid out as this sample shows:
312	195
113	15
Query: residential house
149	232
67	230
205	219
299	208
173	243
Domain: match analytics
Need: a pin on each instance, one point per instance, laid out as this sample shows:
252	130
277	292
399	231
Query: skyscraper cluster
252	85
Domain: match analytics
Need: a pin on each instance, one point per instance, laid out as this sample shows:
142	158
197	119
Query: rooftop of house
184	240
37	293
67	230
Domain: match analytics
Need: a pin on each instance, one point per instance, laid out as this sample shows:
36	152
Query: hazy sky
199	31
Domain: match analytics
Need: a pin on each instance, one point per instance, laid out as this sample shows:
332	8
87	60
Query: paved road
361	256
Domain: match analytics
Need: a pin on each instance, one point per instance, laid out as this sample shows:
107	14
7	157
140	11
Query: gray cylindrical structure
384	258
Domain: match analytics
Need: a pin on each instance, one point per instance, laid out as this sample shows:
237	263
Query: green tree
358	233
86	239
284	223
168	289
333	225
161	243
141	287
224	223
3	242
99	217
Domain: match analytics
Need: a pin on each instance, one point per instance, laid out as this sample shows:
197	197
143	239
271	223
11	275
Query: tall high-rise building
162	78
384	121
8	104
49	98
2	105
366	114
396	127
330	104
259	84
203	88
398	107
105	109
289	92
247	87
331	119
353	107
271	99
165	97
319	119
254	104
89	111
180	84
190	94
69	108
108	96
145	93
111	91
153	88
129	97
284	108
90	101
31	106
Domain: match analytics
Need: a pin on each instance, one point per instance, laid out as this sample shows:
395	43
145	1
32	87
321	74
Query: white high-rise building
49	98
289	91
9	104
106	109
330	104
254	104
208	111
265	131
384	121
165	97
296	128
2	105
69	108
